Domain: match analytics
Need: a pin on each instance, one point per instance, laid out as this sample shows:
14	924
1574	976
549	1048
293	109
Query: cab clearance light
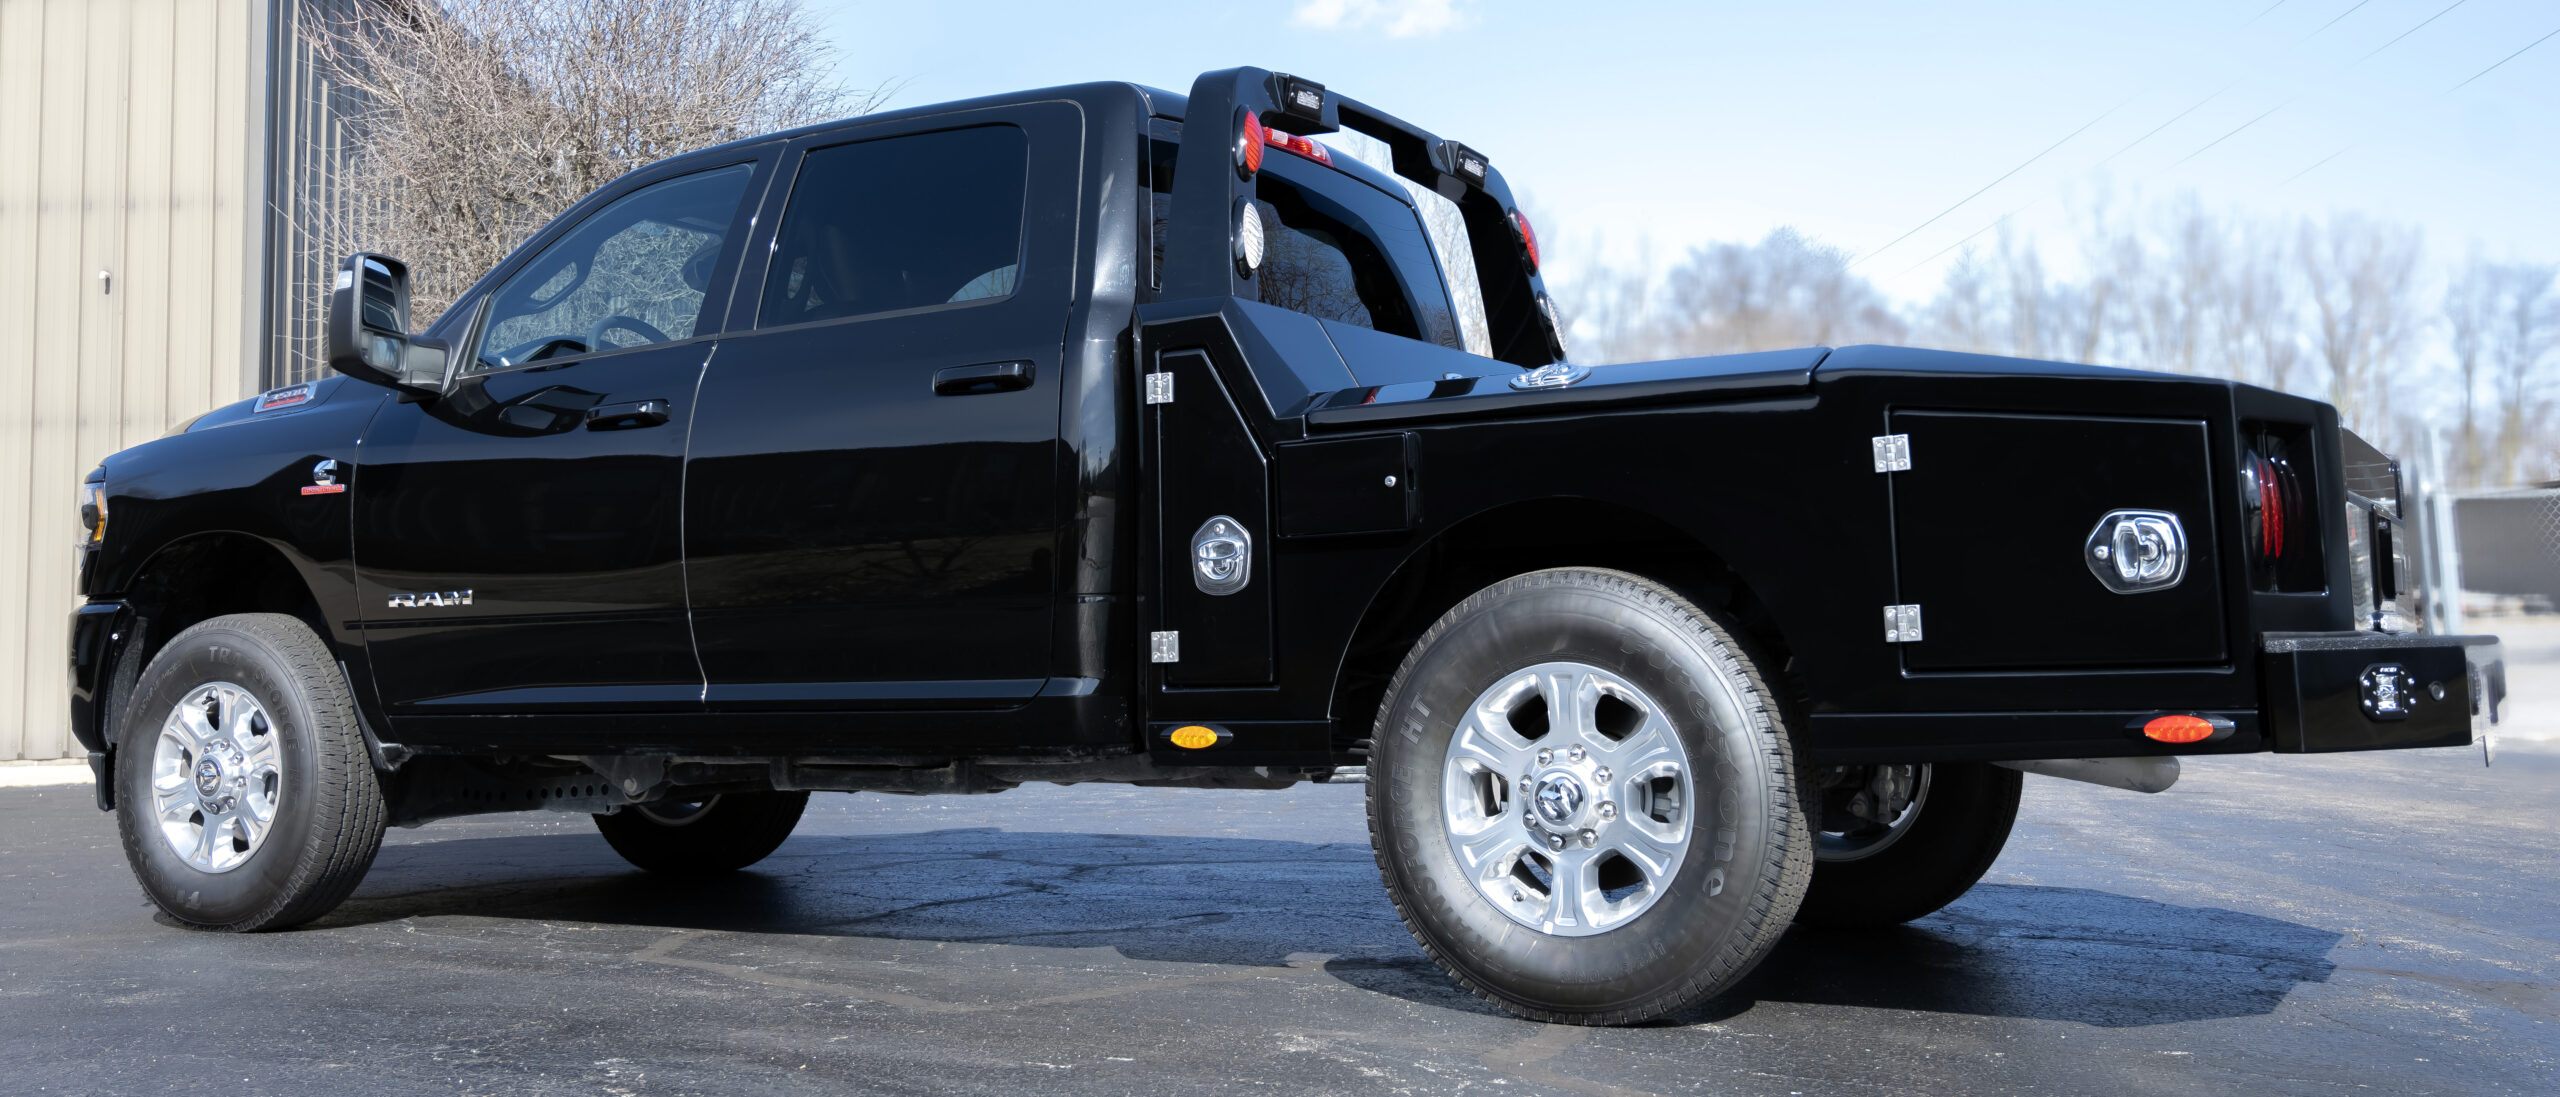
1194	737
2185	728
1293	143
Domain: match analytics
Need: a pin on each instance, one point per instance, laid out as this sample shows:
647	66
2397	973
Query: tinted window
1338	248
899	223
631	274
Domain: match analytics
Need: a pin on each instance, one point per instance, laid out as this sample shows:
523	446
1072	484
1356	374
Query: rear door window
900	223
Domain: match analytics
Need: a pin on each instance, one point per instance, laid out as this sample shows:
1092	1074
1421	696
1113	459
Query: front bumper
2337	691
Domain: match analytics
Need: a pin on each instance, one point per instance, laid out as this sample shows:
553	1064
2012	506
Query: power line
2004	219
2315	167
2334	22
2004	177
2412	30
2263	14
2234	133
2503	60
2165	125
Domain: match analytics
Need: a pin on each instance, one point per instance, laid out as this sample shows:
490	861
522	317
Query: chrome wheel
1567	798
217	776
1866	809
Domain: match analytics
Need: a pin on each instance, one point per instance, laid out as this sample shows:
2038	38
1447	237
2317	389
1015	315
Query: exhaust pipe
2152	774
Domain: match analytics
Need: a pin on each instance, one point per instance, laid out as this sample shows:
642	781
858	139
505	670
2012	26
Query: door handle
627	416
990	377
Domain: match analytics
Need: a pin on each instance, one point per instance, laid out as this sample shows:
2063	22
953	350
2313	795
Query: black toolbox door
1992	521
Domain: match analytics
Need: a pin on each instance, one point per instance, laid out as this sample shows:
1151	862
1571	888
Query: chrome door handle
987	377
627	416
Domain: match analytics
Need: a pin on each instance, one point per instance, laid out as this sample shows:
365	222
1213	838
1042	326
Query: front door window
633	274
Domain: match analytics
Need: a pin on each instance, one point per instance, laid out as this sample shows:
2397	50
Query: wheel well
202	578
1529	536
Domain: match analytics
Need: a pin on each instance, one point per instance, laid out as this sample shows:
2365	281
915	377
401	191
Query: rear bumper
2337	691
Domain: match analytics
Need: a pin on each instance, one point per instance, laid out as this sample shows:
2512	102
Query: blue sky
1676	124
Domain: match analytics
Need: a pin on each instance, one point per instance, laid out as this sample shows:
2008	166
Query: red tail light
1300	145
1528	238
2274	501
1249	145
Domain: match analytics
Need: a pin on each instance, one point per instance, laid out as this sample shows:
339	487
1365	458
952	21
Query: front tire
1583	799
1871	872
707	836
244	793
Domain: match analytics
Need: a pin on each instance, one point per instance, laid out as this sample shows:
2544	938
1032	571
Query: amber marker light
1194	737
2178	729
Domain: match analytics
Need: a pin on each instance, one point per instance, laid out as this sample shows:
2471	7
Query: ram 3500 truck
1100	433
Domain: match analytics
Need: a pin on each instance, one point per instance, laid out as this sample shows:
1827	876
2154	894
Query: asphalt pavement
2383	922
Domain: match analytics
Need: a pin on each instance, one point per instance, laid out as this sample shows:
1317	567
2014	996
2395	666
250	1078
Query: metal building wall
132	142
312	209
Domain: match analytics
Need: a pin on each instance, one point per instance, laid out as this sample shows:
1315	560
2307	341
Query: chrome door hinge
1902	624
1893	452
1160	387
1164	647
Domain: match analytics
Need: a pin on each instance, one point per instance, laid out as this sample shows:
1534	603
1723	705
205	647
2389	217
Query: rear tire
1583	802
1956	832
704	837
244	793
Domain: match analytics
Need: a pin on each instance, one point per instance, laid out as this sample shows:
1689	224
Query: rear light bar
1293	143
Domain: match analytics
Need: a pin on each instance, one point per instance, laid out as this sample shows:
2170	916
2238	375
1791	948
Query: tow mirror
369	336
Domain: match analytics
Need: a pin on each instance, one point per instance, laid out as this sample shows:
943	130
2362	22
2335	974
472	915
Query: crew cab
1101	433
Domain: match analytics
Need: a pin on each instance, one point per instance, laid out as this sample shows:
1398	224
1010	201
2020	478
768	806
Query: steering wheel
633	324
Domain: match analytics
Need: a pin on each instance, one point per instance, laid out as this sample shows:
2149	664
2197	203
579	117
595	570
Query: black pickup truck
1100	433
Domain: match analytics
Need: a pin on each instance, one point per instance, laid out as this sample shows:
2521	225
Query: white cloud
1397	18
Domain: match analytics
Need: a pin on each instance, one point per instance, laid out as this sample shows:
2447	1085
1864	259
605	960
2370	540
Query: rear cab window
1341	248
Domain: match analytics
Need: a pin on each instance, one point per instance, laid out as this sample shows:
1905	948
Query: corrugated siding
313	209
132	137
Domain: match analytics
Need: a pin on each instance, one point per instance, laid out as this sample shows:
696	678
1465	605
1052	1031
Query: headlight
93	513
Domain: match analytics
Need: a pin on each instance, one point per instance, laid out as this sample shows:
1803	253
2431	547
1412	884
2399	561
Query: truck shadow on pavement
2004	950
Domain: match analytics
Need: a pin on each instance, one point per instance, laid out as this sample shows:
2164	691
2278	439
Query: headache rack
1519	314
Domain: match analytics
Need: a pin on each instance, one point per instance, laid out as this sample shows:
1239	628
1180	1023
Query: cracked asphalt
2385	922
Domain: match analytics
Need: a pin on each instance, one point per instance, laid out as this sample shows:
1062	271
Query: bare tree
2527	330
1785	291
2470	314
2359	276
1961	317
481	120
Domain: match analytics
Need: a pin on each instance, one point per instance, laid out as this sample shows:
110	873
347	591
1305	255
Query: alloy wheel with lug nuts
217	777
1571	799
1662	846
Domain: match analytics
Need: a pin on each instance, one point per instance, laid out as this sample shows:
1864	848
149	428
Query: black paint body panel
1989	529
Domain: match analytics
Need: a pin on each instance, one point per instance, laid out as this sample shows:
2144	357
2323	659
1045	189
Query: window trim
709	326
751	323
